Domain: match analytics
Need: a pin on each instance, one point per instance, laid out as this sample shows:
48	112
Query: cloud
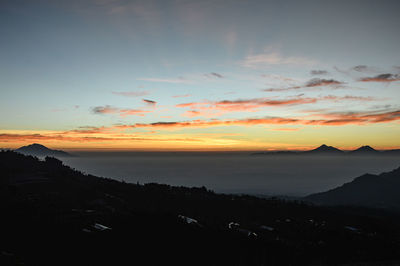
215	122
105	110
131	93
274	77
149	102
348	97
318	72
181	96
215	75
359	118
192	113
165	80
87	130
361	68
122	112
315	82
260	102
322	82
382	78
61	137
282	89
40	137
209	108
329	119
274	58
240	105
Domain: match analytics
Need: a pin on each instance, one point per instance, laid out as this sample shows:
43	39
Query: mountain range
330	150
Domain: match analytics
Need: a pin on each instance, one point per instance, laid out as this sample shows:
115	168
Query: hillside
376	191
87	220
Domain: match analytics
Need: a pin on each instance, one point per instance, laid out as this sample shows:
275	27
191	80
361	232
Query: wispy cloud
318	72
359	118
322	82
193	113
209	108
275	58
63	137
149	102
166	80
131	93
364	68
348	97
382	78
181	96
214	75
107	109
329	119
357	69
315	82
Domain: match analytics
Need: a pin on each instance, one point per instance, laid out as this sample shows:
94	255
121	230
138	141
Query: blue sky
79	65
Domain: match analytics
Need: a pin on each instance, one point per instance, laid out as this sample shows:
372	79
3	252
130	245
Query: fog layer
234	173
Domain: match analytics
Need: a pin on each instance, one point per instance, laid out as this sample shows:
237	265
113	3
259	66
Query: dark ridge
375	191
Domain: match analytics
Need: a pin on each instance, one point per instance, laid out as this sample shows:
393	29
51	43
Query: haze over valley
234	172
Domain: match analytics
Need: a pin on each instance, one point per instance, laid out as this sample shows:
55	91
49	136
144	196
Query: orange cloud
245	105
356	118
251	105
181	96
60	137
333	119
122	112
215	122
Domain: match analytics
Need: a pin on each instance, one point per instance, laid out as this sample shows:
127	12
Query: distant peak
365	148
326	148
37	149
34	146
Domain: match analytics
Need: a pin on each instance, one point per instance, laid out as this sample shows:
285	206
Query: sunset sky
199	75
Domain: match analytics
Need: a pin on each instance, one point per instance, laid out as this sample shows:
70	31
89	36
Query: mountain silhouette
364	150
41	151
329	150
368	190
324	149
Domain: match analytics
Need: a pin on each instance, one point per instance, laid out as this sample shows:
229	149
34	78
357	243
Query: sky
199	75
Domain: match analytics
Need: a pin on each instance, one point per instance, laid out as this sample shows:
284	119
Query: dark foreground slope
375	191
54	215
